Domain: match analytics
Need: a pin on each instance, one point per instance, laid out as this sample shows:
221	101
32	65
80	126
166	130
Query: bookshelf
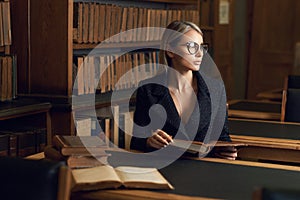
46	68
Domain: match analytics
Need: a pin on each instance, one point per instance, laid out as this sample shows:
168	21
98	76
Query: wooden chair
34	179
289	105
290	108
292	82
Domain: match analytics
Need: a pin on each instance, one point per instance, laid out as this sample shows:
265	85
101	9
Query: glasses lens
192	47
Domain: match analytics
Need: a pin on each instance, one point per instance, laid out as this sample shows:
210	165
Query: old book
91	22
196	148
85	23
79	145
77	161
80	76
96	23
4	144
9	78
102	19
1	26
105	176
6	23
26	144
79	22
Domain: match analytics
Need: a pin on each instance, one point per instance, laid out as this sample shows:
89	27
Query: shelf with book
27	124
56	42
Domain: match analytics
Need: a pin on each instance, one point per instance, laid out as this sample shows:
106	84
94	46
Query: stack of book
87	158
78	151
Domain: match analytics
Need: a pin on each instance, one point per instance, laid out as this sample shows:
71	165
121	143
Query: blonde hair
172	35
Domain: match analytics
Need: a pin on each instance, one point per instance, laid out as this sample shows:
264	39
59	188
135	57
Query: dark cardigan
149	94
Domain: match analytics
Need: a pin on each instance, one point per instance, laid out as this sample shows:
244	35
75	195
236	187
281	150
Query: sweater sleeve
225	131
141	119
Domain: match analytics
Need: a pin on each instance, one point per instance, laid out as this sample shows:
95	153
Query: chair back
293	82
34	179
291	105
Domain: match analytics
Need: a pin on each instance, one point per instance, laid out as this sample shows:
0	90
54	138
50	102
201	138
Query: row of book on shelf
8	79
22	142
5	24
95	22
113	72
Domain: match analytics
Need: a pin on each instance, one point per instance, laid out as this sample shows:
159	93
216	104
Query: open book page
196	147
96	178
138	177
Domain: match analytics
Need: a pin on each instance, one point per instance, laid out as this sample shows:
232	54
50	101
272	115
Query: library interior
149	99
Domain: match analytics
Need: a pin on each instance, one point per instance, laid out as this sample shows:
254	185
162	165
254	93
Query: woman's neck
180	80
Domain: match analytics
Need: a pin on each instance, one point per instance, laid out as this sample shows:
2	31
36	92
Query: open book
103	177
79	145
196	148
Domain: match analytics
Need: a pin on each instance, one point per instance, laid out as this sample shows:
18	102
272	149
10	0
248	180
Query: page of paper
95	174
140	174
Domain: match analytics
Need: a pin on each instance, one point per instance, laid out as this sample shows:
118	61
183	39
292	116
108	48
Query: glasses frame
202	47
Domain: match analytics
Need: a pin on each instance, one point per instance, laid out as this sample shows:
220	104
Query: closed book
26	143
13	150
79	145
4	144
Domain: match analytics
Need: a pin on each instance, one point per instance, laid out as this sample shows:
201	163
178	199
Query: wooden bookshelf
46	66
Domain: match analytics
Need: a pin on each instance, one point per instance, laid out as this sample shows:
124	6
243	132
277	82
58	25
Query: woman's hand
159	139
229	152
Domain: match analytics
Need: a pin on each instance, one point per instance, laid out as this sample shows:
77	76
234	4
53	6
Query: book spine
4	144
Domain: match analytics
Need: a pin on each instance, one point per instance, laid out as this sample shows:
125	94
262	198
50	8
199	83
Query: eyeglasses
193	47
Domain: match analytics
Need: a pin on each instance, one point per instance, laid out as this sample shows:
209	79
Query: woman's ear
170	54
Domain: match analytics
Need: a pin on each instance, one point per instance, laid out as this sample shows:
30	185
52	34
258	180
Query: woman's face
188	54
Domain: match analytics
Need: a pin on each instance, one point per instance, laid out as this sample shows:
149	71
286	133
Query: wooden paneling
223	46
50	46
19	19
274	30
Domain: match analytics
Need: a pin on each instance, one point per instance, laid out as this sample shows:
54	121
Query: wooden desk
24	107
209	178
205	178
251	109
274	141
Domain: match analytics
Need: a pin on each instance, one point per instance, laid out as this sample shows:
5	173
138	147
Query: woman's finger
164	135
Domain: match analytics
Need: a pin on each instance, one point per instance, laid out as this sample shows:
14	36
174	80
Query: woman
176	102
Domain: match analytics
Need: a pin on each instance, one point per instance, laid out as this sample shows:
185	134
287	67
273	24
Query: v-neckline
177	112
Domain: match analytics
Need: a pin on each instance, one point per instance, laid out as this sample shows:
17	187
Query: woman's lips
198	62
